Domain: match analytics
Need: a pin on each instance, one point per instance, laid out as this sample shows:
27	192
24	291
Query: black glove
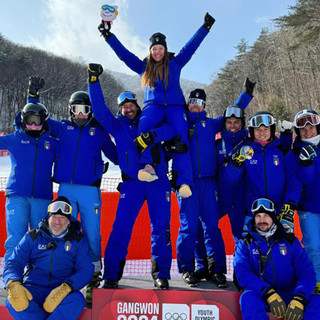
249	86
175	145
94	71
144	140
208	21
307	154
104	32
105	167
173	176
286	217
35	84
277	305
296	308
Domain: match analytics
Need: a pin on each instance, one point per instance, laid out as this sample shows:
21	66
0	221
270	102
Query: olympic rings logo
175	316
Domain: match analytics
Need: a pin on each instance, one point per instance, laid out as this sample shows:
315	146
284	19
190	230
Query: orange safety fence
140	246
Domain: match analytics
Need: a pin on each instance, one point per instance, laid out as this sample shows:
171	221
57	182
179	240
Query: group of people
249	174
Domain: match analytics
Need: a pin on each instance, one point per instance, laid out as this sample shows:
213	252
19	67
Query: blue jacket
50	261
202	133
31	162
161	95
79	160
288	268
231	194
268	174
124	132
308	177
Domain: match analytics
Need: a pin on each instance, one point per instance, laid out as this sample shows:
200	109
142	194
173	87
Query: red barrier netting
140	245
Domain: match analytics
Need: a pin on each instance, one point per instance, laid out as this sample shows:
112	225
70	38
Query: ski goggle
199	102
267	204
34	127
80	108
107	7
32	119
234	111
303	120
64	207
261	119
126	97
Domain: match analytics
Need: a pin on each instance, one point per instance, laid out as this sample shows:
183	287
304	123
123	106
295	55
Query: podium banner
135	304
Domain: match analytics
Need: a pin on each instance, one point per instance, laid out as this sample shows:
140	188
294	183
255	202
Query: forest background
285	64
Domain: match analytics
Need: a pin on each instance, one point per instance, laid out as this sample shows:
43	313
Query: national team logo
47	145
70	127
67	246
275	160
92	131
283	249
203	123
96	210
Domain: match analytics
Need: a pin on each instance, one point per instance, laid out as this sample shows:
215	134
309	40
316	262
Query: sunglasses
261	119
60	205
199	102
80	108
267	204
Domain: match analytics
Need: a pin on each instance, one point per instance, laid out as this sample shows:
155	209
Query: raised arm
131	60
99	108
192	45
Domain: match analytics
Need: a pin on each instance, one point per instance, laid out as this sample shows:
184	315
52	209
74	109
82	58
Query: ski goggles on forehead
107	7
312	119
199	102
262	203
259	120
60	205
125	97
234	112
32	119
80	108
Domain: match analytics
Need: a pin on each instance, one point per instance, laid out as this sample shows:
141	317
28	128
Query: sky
69	28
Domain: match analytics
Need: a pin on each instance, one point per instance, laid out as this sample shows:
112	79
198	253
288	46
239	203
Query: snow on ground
5	167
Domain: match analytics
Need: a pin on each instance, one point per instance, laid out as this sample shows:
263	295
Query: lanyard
263	258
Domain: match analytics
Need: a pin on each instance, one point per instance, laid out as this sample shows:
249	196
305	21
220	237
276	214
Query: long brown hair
156	71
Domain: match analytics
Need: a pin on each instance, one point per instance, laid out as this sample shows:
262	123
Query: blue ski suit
203	202
267	174
79	170
309	202
165	102
29	188
232	196
133	193
288	271
50	262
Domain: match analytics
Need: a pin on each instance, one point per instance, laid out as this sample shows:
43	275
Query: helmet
234	111
127	96
260	118
304	117
79	102
37	114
